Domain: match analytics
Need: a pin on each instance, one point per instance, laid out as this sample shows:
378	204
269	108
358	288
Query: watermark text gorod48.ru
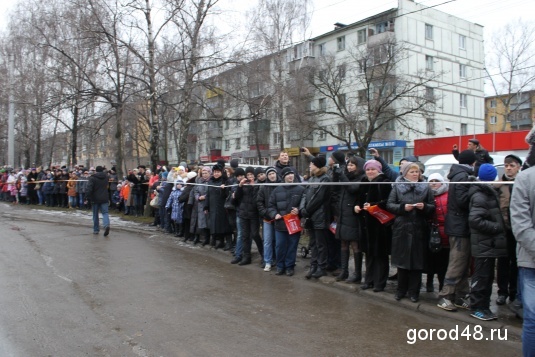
468	333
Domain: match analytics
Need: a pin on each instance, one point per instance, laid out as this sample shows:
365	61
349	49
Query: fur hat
467	157
319	162
239	172
338	157
217	167
249	170
99	169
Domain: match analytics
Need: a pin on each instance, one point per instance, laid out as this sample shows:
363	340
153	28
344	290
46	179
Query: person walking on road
97	194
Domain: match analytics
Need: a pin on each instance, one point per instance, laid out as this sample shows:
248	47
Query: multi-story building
509	112
287	97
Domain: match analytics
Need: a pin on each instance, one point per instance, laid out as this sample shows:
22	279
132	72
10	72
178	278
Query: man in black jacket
315	206
482	155
456	289
97	194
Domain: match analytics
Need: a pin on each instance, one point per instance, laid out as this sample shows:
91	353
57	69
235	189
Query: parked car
442	164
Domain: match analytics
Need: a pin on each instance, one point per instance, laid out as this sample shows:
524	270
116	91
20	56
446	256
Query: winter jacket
523	218
262	199
71	188
281	201
348	223
113	182
279	167
245	201
81	184
482	157
97	188
176	206
504	194
410	231
215	205
199	220
487	227
184	198
441	209
458	202
377	237
315	204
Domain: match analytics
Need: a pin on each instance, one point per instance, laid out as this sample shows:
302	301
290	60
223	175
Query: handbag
293	223
154	202
435	242
229	204
380	214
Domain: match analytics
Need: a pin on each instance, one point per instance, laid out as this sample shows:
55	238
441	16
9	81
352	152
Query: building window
342	100
430	126
276	138
493	103
361	96
309	106
237	123
322	135
429	62
322	104
493	119
430	94
464	129
342	71
361	36
341	43
462	70
382	27
342	130
428	32
361	66
462	42
238	143
321	49
227	144
463	100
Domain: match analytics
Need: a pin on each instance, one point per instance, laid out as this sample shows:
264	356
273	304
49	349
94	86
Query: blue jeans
81	199
527	290
40	196
286	249
239	239
103	207
268	231
72	201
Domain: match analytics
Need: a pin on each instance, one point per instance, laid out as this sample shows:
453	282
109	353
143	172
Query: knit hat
181	168
319	162
487	172
183	164
207	168
338	157
287	171
234	163
474	141
436	176
467	157
239	172
407	167
164	175
374	164
191	174
258	171
421	166
249	170
410	158
271	169
99	169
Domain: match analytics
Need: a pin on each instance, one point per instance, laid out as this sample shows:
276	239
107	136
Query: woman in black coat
348	224
215	207
414	205
377	237
184	199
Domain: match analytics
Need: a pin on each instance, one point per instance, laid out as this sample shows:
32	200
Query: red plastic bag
332	227
380	214
293	223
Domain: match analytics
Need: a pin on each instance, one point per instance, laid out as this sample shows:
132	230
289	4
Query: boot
180	231
213	241
430	286
356	277
319	273
345	263
228	244
245	260
311	271
196	239
206	240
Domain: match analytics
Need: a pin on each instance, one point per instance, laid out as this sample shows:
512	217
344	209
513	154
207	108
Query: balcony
214	133
381	38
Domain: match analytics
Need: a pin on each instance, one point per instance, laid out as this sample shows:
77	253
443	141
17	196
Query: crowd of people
347	206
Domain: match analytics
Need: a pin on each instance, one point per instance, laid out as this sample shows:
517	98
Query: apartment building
509	112
442	58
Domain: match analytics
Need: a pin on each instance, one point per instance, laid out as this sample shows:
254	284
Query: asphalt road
67	292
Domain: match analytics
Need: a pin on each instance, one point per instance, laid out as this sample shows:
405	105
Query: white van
442	164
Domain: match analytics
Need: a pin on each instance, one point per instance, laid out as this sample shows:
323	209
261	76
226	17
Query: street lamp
453	134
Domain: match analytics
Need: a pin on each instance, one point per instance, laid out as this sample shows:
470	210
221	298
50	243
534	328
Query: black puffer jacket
262	199
410	231
97	188
458	201
348	223
316	202
245	200
487	226
281	201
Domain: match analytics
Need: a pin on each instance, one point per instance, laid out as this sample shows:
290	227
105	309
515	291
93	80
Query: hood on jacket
100	175
457	169
321	171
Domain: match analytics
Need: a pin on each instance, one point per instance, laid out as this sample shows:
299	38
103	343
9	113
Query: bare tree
368	94
511	66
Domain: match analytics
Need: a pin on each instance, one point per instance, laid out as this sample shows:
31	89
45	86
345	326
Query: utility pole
11	115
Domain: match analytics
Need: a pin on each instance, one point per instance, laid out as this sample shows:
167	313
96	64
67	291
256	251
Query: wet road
66	292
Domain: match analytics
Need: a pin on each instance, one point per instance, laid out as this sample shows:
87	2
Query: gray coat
523	217
199	220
